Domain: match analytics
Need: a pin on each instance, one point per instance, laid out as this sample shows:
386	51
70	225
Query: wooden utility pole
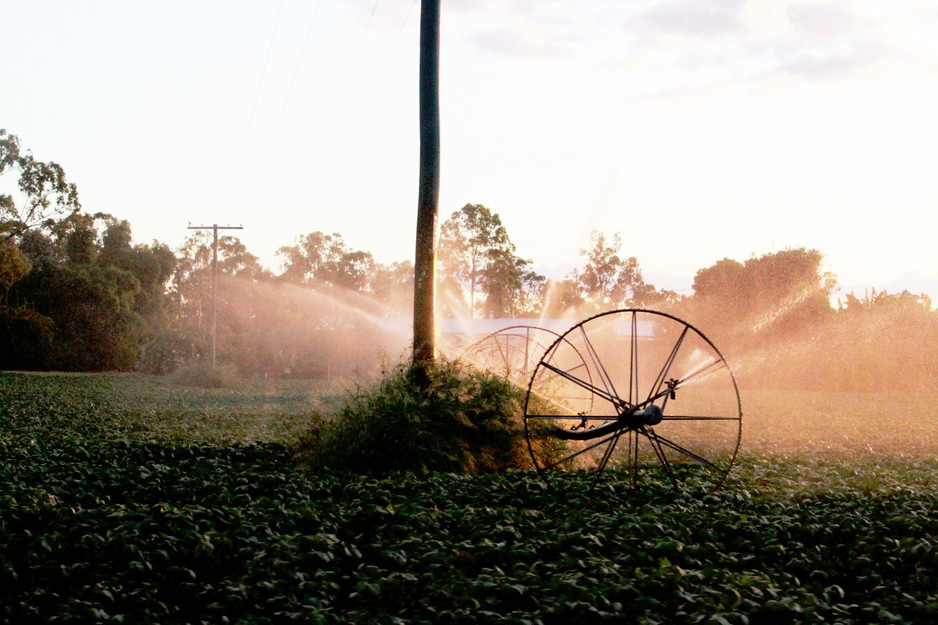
429	186
214	228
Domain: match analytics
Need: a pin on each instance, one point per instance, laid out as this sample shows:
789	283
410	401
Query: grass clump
446	419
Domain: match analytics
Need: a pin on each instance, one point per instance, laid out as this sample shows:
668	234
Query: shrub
454	421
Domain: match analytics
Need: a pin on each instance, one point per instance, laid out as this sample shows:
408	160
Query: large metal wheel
656	397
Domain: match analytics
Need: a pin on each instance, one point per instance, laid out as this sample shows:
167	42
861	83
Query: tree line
77	294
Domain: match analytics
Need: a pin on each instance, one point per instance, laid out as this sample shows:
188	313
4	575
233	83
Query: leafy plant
458	421
130	499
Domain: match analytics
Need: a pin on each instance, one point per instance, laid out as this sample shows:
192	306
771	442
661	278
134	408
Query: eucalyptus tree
393	284
609	279
512	288
318	257
41	196
13	265
99	296
471	241
304	261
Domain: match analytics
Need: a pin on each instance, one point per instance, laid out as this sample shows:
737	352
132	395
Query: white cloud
689	48
825	18
690	18
525	39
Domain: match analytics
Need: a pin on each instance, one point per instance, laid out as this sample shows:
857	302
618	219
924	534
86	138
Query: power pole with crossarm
214	228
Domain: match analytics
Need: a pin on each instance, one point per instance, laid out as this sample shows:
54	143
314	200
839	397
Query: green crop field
130	499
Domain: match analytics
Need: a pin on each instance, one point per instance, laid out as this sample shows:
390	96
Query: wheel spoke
633	361
697	418
580	452
610	393
527	352
662	457
503	352
633	458
583	384
663	375
573	417
608	453
651	434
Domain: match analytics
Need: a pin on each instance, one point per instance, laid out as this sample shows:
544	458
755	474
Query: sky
698	130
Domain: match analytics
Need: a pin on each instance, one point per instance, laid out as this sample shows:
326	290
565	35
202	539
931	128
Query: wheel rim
512	352
662	401
515	351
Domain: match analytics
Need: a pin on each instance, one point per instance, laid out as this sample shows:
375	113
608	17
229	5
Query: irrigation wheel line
654	396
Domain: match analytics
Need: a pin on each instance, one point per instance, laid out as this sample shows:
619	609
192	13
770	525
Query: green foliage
325	258
43	408
457	421
96	327
608	280
766	298
13	265
470	240
511	288
25	339
105	518
772	315
167	351
43	193
103	296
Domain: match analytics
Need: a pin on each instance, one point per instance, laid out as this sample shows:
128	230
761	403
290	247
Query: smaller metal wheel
512	352
653	396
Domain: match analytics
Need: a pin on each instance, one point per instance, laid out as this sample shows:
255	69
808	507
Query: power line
361	103
335	95
257	96
283	108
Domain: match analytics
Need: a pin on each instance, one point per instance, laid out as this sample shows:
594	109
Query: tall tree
192	278
561	298
470	241
609	279
394	284
764	297
42	193
512	288
14	264
235	260
91	312
318	257
351	270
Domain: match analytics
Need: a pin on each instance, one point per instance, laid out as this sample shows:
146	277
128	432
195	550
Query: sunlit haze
699	130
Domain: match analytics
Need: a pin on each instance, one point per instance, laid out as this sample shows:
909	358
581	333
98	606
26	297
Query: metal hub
638	417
